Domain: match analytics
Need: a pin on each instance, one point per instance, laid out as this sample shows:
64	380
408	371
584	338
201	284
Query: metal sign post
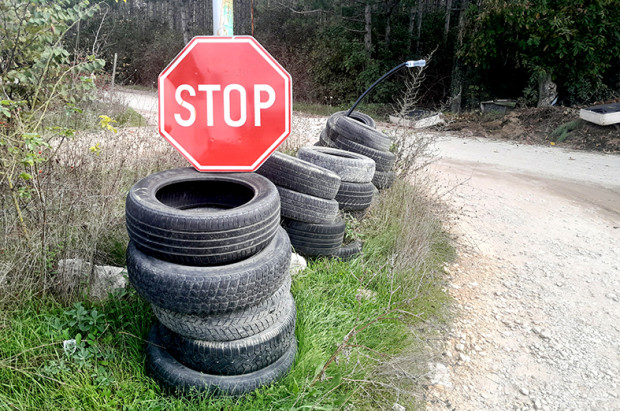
223	18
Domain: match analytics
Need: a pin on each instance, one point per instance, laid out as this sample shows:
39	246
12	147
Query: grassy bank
379	112
356	328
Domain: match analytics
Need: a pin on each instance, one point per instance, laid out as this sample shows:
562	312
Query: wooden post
223	17
114	69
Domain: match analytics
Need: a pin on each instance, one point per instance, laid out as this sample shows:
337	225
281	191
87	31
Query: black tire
238	356
351	167
304	207
324	140
315	239
176	378
356	115
211	290
384	160
355	196
383	179
349	251
299	175
353	130
229	326
194	218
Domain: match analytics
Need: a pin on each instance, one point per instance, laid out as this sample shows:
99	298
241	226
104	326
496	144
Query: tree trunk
456	88
242	16
388	29
420	13
446	28
411	27
171	14
184	6
368	29
547	91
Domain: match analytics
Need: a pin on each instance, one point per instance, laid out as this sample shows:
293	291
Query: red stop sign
225	103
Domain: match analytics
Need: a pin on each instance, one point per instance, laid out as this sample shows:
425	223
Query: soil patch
559	126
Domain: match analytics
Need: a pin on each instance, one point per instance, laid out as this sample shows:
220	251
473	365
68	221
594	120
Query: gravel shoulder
537	282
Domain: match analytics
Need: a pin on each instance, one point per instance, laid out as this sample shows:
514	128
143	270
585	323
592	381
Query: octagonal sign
225	103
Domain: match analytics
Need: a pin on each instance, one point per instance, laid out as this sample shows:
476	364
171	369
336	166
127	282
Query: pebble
459	347
612	297
524	391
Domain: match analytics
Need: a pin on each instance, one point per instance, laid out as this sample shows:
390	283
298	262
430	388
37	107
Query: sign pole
223	18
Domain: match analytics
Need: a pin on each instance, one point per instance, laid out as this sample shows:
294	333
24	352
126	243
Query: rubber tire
299	175
351	167
383	180
194	218
384	160
211	290
353	130
349	251
356	115
304	207
234	357
228	326
324	140
176	378
355	196
315	239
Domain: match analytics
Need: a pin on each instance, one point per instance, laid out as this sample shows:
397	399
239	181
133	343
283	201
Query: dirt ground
536	126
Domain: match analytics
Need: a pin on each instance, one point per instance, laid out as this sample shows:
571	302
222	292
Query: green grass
379	112
564	131
378	300
130	118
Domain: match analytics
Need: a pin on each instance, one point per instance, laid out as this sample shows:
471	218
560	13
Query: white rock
524	391
464	357
459	347
107	279
398	407
298	264
439	375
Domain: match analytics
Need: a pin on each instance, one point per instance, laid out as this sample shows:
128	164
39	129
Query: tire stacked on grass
355	171
309	210
356	191
358	135
207	251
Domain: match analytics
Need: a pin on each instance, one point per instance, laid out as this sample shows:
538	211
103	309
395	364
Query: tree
576	42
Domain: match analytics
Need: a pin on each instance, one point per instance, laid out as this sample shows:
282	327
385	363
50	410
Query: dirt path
537	283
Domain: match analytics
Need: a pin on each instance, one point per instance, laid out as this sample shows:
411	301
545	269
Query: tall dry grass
76	206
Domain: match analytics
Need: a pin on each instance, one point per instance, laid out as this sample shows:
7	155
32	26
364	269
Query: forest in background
334	49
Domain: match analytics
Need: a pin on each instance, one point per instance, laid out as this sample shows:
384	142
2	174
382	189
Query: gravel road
537	281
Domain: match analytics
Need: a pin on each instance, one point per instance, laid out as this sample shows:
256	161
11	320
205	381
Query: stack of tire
207	251
309	211
357	134
356	172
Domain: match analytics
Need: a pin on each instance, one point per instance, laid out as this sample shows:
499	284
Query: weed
564	131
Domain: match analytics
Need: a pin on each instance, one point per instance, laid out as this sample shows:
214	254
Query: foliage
143	49
575	41
36	67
